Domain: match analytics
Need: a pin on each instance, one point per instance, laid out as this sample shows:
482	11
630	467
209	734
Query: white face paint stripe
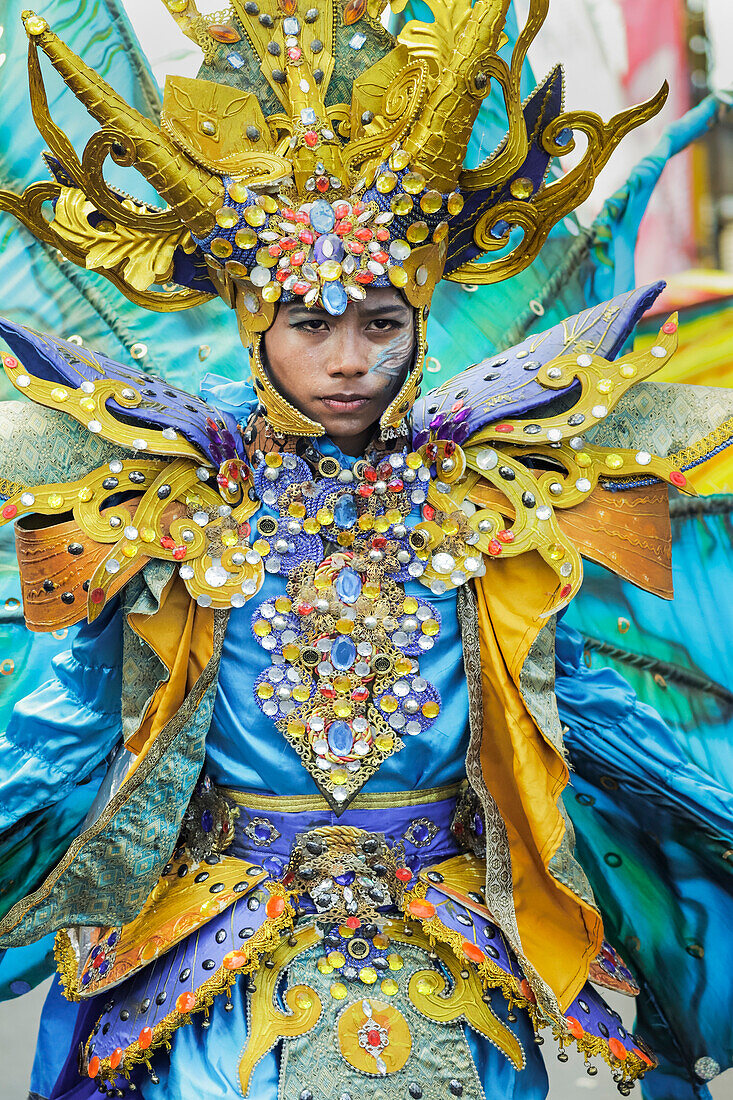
393	359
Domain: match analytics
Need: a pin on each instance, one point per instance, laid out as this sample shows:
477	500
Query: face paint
392	359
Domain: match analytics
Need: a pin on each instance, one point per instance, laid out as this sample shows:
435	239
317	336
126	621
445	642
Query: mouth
345	402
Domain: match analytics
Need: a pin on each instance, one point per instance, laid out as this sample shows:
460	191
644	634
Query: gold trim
703	448
305	803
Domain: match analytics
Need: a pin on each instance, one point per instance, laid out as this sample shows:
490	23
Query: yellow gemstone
342	709
403	665
300	693
177	6
604	385
395	961
324	966
371	590
321	580
283	604
389	987
430	627
265	690
424	986
614	461
129	550
557	551
262	628
393	515
339	991
345	538
417	232
85	494
238	192
55	500
522	188
381	940
303	999
455	203
291	653
336	958
254	215
368	975
264	258
226	217
399	160
271	292
58	393
413	183
274	460
627	371
583	459
401	205
388	704
397	276
413	460
365	522
342	683
36	25
262	546
381	524
297	509
324	516
245	238
440	232
267	203
383	743
229	538
296	728
431	709
220	248
311	526
329	270
345	932
386	182
147	534
431	202
339	775
345	626
450	527
87	404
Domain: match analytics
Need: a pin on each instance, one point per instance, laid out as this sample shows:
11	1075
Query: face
342	371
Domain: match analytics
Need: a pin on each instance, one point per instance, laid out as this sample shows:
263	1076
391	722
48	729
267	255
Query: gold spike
190	189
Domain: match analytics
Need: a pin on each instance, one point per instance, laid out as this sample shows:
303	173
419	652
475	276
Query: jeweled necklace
344	681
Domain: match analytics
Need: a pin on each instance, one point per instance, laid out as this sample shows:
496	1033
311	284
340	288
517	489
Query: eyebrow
314	312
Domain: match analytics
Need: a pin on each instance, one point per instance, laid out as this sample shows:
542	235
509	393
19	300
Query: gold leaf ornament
143	260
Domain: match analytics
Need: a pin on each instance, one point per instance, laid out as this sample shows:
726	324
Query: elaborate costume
317	692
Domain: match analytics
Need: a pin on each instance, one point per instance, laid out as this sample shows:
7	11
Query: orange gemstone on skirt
421	909
275	907
618	1049
473	952
145	1038
574	1027
115	1057
235	960
185	1002
644	1057
93	1066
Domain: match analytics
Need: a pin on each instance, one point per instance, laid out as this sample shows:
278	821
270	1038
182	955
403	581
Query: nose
348	357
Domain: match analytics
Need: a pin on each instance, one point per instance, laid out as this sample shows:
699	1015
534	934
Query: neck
354	445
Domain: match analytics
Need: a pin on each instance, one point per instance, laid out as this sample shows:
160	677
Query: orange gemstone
473	952
185	1002
526	990
93	1066
287	7
644	1057
275	907
354	11
421	909
617	1048
115	1057
145	1038
224	32
235	960
574	1027
678	478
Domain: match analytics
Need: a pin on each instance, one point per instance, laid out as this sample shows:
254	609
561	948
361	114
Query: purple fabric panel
505	384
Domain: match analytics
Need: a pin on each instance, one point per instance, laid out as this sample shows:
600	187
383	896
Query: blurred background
615	53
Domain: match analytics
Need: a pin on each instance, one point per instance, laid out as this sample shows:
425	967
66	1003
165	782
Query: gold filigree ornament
506	485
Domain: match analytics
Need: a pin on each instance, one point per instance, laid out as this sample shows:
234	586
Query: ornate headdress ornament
315	156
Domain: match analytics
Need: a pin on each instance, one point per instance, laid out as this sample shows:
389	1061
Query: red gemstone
303	217
294	54
145	1038
365	490
344	228
222	480
301	288
379	542
404	874
428	511
282	274
352	922
289	214
360	695
506	428
355	248
9	511
341	209
505	536
275	906
306	236
431	450
678	478
288	879
358	208
396	485
374	1037
322	184
328	692
167	542
115	1057
10	362
275	251
305	608
450	446
179	552
298	258
363	234
370	473
382	234
310	137
669	326
495	548
185	1002
288	243
97	962
380	257
244	530
565	591
97	595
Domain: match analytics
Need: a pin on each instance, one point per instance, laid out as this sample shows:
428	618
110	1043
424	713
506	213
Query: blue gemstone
235	60
344	511
323	218
420	832
343	653
348	585
478	825
334	298
340	738
328	247
207	821
263	832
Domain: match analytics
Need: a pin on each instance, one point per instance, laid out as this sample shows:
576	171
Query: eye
313	325
384	324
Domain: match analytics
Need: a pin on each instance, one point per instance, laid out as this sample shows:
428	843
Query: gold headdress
315	156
